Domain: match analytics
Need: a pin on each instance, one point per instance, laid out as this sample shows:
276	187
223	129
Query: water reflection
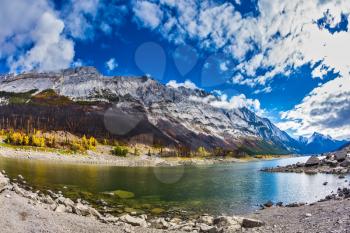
231	188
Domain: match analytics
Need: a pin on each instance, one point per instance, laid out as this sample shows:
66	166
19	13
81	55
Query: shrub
51	141
92	143
77	146
201	151
120	151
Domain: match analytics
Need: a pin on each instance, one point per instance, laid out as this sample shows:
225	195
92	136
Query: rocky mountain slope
136	109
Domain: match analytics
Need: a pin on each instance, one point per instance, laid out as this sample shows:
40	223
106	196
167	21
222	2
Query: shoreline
24	210
327	165
103	159
47	208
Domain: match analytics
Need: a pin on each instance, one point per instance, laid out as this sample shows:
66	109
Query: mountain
134	109
319	143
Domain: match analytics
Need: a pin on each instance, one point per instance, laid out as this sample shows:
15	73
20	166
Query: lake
235	188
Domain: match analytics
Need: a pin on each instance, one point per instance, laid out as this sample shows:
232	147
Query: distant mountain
139	109
319	143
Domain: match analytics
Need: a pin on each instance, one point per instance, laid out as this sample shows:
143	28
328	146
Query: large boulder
345	163
340	156
312	161
252	223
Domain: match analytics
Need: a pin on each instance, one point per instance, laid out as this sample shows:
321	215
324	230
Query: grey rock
206	219
134	221
4	182
252	223
345	163
268	204
312	161
60	209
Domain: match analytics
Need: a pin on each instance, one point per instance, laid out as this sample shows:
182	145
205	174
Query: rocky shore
338	164
25	210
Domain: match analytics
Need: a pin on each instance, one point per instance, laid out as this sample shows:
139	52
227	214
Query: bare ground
19	216
323	217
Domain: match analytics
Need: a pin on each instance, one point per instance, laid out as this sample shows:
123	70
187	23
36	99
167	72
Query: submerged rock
157	211
124	194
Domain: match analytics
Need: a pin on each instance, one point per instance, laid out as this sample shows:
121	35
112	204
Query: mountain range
141	109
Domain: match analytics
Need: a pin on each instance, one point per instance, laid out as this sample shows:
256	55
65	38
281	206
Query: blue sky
285	60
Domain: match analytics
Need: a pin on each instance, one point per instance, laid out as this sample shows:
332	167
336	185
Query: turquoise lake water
230	188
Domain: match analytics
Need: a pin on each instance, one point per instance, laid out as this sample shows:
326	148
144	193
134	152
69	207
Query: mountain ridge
170	113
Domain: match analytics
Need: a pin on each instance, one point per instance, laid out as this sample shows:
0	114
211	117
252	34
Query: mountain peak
319	136
82	70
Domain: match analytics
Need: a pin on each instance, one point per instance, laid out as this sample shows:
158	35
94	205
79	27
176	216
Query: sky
286	60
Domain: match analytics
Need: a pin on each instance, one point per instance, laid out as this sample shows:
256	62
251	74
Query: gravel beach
107	159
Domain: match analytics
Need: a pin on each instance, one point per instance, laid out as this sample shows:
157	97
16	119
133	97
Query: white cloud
187	84
31	36
238	101
267	89
148	14
51	50
83	18
283	37
223	66
325	110
111	64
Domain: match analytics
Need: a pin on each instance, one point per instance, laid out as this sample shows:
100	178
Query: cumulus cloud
187	84
51	50
238	101
31	36
147	14
326	110
284	36
111	64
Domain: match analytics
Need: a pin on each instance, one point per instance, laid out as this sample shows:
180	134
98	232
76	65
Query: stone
124	194
340	156
20	177
252	223
65	201
225	221
160	223
81	209
268	204
312	161
60	209
157	211
134	221
311	172
308	215
341	177
47	200
345	163
325	183
4	182
207	229
280	204
206	219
